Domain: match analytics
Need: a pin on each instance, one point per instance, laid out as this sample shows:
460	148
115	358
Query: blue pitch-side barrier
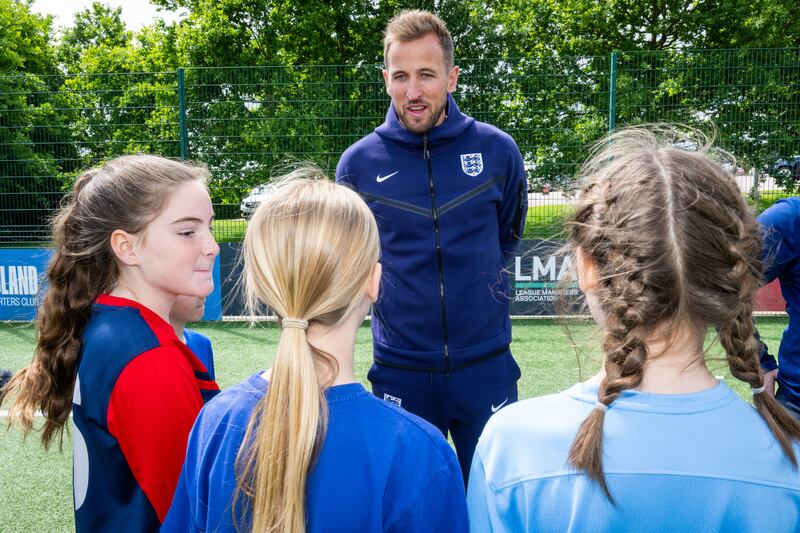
22	284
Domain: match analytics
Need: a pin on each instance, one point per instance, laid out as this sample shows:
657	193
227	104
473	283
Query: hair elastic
297	323
600	405
758	390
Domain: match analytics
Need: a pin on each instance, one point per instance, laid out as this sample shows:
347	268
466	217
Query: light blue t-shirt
691	462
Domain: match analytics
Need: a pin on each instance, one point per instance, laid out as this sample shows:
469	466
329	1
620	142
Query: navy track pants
459	403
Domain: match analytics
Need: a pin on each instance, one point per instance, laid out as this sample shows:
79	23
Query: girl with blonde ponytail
665	248
133	235
303	447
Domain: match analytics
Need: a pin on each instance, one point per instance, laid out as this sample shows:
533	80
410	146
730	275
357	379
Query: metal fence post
184	131
612	94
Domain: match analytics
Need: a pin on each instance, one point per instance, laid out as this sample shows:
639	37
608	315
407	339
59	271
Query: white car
254	199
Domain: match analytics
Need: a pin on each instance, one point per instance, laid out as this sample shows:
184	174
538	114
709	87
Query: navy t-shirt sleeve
515	202
200	345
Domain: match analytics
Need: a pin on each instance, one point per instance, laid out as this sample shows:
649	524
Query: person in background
191	309
5	377
780	225
450	197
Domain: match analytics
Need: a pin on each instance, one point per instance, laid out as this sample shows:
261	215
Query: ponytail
309	251
292	420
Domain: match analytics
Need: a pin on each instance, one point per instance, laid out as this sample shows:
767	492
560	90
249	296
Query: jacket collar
453	126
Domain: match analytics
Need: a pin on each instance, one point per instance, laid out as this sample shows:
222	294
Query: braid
625	354
741	347
47	382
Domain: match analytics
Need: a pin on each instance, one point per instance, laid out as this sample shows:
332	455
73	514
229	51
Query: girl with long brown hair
666	247
132	236
303	446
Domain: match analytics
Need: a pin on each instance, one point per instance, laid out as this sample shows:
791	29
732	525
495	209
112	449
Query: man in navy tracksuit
781	260
449	194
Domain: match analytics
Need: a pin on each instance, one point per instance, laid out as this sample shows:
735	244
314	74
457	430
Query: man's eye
186	233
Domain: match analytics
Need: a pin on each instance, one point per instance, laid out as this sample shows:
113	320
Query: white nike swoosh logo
495	409
380	179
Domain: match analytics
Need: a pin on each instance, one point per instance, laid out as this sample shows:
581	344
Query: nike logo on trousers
495	409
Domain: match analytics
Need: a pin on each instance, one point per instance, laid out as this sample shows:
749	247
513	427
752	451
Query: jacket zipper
439	260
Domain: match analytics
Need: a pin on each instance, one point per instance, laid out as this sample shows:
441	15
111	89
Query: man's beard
425	127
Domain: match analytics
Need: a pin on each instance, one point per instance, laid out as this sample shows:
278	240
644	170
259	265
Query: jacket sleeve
179	517
779	227
342	171
766	359
151	411
515	203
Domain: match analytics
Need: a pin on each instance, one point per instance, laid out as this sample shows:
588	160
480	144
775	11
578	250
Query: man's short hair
413	24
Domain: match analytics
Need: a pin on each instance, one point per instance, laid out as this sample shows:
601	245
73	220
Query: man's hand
769	382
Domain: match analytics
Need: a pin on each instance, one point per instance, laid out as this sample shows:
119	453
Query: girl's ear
124	246
587	271
374	286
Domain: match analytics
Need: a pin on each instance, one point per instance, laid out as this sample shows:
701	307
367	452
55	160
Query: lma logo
542	274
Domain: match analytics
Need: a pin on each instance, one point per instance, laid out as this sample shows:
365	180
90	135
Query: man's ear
588	279
374	285
452	79
386	81
125	246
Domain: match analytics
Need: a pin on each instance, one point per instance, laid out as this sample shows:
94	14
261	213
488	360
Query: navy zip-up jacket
450	207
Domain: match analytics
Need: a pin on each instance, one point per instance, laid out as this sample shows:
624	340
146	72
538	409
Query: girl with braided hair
303	446
665	247
133	235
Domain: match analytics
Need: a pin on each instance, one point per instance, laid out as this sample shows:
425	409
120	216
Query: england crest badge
472	164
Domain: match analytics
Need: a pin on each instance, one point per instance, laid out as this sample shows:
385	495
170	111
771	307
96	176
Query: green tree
33	133
123	94
98	26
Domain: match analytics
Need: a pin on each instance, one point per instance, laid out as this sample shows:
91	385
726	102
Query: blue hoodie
450	206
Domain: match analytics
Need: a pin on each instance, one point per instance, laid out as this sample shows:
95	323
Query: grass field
36	486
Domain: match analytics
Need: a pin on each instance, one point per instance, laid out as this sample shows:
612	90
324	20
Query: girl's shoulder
234	403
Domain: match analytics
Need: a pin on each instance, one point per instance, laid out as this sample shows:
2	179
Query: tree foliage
33	151
302	81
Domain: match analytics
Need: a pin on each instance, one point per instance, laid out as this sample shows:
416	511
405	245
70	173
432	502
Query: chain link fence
247	124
